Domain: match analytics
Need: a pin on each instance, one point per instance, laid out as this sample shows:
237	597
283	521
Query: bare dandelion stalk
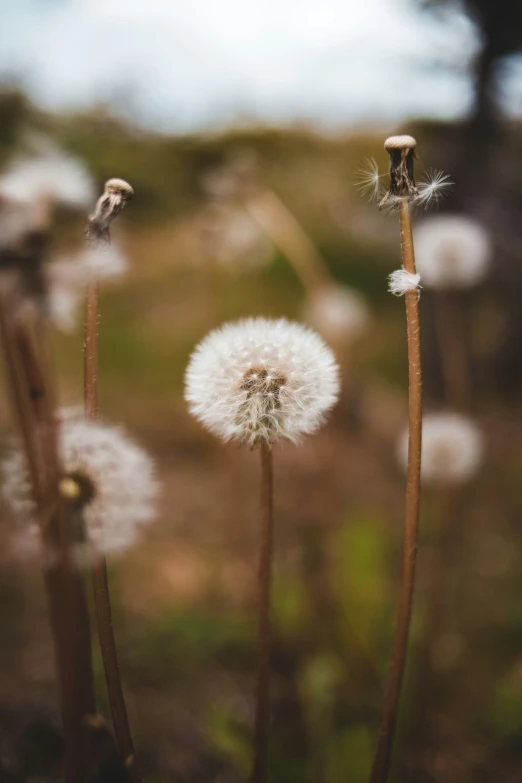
66	600
264	577
117	192
402	151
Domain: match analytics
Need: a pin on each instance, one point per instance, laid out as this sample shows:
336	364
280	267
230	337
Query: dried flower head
259	380
337	312
451	252
114	197
452	448
402	186
108	482
401	150
52	176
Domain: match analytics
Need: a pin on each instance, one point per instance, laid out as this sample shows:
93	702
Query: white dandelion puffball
452	448
258	380
451	252
337	313
115	479
52	175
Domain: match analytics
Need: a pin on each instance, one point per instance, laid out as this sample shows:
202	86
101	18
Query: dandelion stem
385	740
262	709
90	350
100	580
66	600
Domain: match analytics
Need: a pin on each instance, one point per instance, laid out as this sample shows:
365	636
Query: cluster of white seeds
259	380
119	475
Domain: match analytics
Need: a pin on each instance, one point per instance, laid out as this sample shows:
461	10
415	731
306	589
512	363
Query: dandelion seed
108	480
113	199
452	448
369	180
433	188
401	281
452	251
337	313
258	380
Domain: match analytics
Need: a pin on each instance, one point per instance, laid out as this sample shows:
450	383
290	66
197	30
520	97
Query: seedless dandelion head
53	176
115	195
259	380
404	142
108	482
452	251
337	313
452	448
402	187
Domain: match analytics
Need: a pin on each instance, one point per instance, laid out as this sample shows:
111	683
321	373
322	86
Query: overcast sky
189	64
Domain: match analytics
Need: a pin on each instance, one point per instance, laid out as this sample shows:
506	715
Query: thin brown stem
452	350
264	576
385	740
90	350
101	594
36	421
64	581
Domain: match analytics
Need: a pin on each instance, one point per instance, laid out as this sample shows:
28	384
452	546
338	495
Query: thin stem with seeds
100	580
264	576
388	722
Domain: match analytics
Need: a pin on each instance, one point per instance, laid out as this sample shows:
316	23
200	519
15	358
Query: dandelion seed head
107	477
337	313
452	448
259	380
52	176
451	251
